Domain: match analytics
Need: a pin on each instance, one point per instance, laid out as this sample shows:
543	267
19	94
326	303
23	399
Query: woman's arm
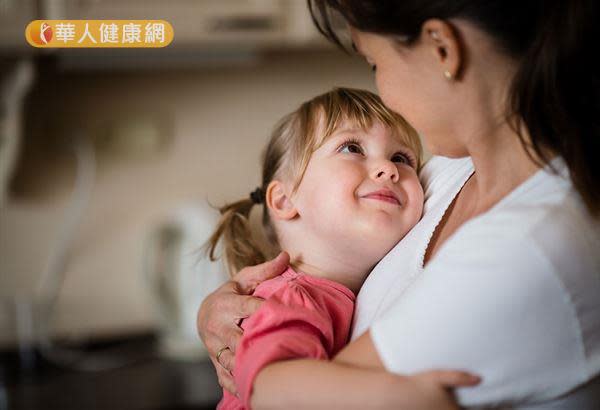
354	379
288	343
331	384
501	310
360	353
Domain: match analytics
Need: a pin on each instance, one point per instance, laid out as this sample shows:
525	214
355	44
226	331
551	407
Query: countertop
150	383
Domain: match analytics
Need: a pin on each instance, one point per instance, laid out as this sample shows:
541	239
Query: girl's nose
386	170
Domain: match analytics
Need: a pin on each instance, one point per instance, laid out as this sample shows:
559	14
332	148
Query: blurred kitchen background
108	159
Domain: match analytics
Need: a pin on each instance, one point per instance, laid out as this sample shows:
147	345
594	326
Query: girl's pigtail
240	248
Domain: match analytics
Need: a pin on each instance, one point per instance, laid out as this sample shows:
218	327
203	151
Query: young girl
339	190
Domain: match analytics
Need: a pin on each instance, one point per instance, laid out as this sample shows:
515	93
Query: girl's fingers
249	277
453	378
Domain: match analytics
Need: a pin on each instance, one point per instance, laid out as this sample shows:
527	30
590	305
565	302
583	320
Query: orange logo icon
99	33
41	34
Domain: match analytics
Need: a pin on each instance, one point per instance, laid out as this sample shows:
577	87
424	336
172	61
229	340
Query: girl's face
360	191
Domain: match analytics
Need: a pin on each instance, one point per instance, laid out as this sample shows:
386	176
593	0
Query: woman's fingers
227	360
208	320
220	313
247	306
225	378
452	378
231	338
249	277
223	332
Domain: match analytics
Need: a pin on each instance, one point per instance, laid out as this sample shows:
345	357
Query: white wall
221	117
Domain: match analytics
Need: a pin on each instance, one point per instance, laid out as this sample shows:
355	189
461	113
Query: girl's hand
221	312
434	389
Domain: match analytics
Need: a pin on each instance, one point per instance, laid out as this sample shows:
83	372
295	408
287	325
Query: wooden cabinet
14	17
212	23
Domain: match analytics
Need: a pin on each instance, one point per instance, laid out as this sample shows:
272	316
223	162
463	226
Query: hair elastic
257	196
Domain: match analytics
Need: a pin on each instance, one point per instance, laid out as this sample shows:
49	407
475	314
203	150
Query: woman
501	276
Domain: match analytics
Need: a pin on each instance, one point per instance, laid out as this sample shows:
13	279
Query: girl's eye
402	159
351	147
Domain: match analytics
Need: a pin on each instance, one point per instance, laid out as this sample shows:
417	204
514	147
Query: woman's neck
499	169
499	157
501	164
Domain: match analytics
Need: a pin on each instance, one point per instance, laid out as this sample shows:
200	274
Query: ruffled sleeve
297	321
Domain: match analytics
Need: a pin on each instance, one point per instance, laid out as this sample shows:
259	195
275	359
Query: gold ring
219	353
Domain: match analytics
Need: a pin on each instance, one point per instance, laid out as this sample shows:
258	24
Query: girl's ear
277	199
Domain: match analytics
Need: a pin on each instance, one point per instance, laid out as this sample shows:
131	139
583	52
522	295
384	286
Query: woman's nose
386	170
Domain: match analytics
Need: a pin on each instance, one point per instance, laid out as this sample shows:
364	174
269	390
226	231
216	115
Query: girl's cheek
419	197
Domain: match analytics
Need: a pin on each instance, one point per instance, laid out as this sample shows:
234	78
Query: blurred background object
180	275
16	79
107	161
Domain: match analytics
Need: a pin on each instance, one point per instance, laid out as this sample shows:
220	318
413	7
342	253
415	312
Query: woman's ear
277	199
445	45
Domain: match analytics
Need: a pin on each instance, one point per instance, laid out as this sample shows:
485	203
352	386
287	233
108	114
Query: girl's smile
384	195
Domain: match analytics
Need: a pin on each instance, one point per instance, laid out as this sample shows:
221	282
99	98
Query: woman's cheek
382	89
396	94
388	96
385	87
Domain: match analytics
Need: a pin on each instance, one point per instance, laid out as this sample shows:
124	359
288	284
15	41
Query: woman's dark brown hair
555	92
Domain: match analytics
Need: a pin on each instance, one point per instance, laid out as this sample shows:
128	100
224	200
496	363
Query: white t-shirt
513	295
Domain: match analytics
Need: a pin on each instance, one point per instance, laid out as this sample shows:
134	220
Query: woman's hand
221	312
434	389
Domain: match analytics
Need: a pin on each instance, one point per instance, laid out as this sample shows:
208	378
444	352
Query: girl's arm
354	379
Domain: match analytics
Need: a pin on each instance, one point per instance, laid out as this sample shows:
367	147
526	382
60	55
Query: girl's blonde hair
292	143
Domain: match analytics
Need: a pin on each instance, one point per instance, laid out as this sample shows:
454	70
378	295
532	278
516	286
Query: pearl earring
448	75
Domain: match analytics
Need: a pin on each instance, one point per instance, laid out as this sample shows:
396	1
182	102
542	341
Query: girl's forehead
344	126
355	128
